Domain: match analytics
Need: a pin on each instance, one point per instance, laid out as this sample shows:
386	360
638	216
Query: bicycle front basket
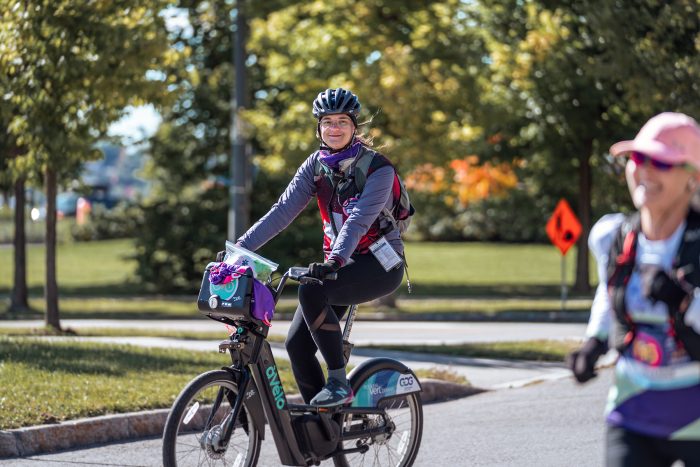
224	302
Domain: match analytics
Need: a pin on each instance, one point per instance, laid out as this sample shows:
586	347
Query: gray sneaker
333	393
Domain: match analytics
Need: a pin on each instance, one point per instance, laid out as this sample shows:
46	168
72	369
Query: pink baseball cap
669	137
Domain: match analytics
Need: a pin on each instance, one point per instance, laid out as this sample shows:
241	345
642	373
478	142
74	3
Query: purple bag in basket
264	307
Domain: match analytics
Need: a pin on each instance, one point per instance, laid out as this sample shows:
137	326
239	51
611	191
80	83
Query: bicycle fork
218	437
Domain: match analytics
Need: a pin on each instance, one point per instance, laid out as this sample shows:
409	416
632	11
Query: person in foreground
647	305
356	216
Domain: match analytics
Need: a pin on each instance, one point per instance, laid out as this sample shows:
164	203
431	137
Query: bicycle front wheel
194	428
395	447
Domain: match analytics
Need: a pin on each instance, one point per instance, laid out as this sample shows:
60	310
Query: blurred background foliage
491	110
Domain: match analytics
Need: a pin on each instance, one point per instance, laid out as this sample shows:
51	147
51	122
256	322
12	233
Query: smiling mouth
651	187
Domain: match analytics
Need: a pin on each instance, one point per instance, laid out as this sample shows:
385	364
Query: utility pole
239	199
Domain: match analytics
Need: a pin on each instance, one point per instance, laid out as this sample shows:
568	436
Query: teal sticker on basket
225	291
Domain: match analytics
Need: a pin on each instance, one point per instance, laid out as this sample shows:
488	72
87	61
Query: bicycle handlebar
301	274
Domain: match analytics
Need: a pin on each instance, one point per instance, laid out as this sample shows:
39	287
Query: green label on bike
225	291
276	386
383	384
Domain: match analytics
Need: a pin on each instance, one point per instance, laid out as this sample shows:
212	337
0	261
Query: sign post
563	229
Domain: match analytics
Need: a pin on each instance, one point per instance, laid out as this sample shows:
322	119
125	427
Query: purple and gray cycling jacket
355	219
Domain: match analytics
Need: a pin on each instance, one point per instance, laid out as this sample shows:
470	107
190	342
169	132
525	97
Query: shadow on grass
117	289
491	355
419	290
490	291
86	358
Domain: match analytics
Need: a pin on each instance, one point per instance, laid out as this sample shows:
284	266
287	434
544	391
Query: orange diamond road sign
563	228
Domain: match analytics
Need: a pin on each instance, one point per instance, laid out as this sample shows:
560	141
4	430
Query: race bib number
385	254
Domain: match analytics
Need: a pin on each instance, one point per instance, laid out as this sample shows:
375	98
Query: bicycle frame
255	372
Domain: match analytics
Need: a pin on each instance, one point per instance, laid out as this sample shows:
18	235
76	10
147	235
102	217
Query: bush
122	221
179	235
518	217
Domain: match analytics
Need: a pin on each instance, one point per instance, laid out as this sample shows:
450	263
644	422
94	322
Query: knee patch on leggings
323	323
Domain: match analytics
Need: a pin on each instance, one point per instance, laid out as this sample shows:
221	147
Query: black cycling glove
666	289
320	270
582	361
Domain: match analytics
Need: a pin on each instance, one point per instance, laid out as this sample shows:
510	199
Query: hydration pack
621	265
399	217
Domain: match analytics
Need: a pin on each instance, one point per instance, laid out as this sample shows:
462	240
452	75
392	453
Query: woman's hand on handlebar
321	270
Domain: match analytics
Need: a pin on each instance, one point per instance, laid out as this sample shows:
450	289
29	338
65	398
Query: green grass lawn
97	280
535	350
107	266
485	269
83	268
46	382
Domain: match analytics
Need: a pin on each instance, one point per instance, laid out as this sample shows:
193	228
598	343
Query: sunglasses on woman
641	159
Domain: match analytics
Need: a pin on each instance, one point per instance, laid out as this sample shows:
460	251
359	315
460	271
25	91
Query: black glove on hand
668	290
220	256
319	270
582	361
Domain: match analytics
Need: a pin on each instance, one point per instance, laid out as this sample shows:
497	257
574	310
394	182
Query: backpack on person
399	216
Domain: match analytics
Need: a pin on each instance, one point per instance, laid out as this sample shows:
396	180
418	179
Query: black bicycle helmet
336	101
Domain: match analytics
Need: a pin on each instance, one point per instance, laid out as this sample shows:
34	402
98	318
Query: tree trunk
19	300
582	284
51	286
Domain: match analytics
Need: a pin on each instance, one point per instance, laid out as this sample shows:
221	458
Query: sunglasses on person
641	159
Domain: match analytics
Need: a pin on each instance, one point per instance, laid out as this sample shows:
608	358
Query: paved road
555	423
367	332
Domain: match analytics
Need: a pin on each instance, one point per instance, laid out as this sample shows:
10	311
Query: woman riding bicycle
353	221
647	302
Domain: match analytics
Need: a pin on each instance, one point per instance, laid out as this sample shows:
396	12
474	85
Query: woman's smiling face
336	130
655	189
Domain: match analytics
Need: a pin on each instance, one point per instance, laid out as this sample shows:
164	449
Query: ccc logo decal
406	381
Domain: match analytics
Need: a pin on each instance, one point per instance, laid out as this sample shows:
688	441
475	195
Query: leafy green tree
70	70
574	82
13	181
415	65
191	152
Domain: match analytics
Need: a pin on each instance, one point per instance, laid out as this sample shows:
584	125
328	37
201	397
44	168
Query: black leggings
629	449
320	309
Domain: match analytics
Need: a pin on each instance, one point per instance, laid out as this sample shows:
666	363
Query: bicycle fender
252	403
379	378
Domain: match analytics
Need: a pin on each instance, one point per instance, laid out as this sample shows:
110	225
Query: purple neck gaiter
333	160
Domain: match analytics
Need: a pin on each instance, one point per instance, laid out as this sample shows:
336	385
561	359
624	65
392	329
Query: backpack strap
687	263
620	266
361	168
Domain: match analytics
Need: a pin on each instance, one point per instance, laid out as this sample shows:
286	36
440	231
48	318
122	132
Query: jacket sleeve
600	241
292	201
375	196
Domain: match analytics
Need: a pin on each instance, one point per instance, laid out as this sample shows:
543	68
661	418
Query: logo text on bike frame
276	386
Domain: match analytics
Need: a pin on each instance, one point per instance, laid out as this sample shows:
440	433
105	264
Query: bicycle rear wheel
399	447
194	426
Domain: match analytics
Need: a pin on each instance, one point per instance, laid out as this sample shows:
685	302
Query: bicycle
219	418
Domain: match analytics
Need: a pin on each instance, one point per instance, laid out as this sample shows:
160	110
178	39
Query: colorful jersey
350	225
657	385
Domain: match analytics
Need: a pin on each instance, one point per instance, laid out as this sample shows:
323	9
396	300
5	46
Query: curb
83	432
